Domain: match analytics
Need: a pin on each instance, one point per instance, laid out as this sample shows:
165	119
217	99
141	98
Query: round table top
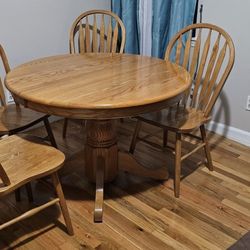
97	85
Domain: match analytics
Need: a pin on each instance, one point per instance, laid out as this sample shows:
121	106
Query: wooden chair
209	63
27	158
106	34
15	118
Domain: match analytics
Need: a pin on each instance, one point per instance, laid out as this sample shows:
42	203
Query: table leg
101	158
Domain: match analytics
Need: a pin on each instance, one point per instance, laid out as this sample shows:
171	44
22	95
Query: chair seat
178	119
25	158
16	117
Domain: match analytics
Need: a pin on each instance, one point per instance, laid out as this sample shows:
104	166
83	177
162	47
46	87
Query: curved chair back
97	31
209	59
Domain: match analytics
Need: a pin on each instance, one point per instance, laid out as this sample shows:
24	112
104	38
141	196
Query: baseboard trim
229	132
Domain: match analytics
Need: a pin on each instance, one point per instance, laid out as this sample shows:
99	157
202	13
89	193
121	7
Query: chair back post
7	70
4	177
88	41
2	95
209	63
4	60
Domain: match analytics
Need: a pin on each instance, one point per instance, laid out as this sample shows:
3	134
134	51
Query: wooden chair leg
65	126
177	172
135	135
50	133
18	195
165	137
29	192
206	148
62	202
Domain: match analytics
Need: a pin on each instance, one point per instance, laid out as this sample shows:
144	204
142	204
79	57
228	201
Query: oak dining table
100	88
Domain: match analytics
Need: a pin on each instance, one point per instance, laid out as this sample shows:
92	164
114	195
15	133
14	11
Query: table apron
99	114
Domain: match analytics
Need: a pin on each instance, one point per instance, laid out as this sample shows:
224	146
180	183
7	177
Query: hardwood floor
213	211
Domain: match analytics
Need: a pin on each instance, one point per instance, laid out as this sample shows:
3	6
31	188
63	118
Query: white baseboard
229	132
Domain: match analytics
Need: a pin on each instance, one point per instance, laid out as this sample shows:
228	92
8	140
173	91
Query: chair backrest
7	69
209	59
97	31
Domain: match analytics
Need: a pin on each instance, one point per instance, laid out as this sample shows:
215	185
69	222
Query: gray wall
234	17
36	28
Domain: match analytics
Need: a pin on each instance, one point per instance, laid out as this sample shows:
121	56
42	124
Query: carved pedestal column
101	157
101	148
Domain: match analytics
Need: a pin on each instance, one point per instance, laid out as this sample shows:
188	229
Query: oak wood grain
97	35
15	118
211	62
81	86
102	34
213	208
37	159
98	86
25	159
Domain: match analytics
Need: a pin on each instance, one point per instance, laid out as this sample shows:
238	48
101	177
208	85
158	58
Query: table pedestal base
101	156
102	160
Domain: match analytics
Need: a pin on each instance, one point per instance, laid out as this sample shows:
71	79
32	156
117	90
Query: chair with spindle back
26	158
15	118
209	63
105	34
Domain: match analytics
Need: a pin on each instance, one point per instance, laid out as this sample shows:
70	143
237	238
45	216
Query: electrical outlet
248	103
10	98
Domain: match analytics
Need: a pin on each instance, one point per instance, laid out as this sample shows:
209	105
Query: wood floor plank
231	183
156	201
237	206
244	198
155	220
229	164
139	213
199	213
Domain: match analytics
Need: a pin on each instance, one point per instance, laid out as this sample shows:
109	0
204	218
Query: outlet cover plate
248	103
